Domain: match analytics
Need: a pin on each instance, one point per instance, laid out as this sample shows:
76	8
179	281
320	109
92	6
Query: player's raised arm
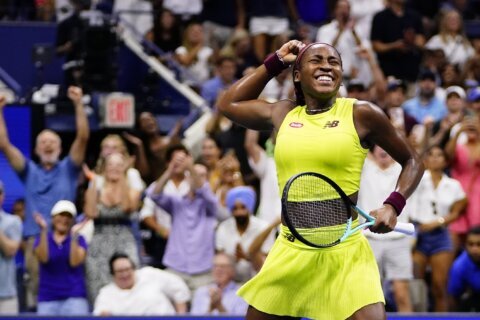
240	102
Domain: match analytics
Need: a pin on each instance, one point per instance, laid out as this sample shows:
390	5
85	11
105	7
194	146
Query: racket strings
316	210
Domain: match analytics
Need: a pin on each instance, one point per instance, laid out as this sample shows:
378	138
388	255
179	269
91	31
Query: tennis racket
318	213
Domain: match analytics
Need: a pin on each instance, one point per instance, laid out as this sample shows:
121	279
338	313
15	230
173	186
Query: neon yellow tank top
326	143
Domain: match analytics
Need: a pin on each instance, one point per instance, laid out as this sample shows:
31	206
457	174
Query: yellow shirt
325	143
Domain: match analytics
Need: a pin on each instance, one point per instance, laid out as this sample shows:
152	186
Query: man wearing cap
394	98
426	105
10	238
48	181
474	100
235	235
61	253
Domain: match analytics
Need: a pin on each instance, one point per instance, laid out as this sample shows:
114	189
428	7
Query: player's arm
374	127
13	155
240	103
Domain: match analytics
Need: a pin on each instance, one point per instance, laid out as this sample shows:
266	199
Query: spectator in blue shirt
220	297
10	238
464	281
426	106
226	68
50	180
62	253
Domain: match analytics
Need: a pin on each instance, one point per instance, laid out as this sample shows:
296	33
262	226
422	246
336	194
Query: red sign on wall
119	111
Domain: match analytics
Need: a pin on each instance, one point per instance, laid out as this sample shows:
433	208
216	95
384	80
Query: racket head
316	210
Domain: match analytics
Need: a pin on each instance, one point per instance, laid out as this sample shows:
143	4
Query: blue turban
245	195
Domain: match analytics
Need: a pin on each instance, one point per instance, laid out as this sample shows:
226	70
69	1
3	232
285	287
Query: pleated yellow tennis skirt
326	284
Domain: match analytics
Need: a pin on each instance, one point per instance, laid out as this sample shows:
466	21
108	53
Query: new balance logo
331	124
289	237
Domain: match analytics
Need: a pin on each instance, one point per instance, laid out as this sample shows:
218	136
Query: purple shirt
190	246
57	279
234	305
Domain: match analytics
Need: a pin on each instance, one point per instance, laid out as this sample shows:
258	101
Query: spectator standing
69	43
263	165
426	105
235	235
362	13
194	55
150	148
155	218
190	247
220	297
379	176
186	11
437	202
464	280
10	239
49	181
452	39
221	19
439	132
110	207
397	38
142	292
341	33
61	253
166	31
226	69
269	21
465	167
394	99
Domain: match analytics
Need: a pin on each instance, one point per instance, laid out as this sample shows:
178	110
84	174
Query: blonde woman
194	55
110	207
451	39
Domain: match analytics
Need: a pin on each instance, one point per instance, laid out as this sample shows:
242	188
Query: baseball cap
356	84
427	74
474	94
394	84
64	206
457	90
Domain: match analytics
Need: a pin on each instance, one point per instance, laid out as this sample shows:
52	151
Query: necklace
313	111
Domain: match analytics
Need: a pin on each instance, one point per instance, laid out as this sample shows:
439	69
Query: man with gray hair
50	180
10	238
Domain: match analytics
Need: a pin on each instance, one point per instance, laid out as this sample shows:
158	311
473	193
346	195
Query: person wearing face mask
46	182
235	235
61	253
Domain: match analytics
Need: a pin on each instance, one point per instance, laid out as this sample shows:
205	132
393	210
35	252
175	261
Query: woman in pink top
465	165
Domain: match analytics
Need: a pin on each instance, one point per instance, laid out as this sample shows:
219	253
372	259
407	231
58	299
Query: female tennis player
323	133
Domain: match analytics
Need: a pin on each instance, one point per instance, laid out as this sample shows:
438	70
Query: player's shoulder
367	109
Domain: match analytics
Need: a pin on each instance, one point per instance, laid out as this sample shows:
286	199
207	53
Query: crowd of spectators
152	228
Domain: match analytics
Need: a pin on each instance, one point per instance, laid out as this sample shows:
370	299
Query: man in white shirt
146	291
392	250
235	235
341	33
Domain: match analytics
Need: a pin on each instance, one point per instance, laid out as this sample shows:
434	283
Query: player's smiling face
320	70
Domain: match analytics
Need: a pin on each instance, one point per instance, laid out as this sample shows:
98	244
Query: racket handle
405	228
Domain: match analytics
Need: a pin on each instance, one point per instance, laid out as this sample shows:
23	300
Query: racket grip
405	228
